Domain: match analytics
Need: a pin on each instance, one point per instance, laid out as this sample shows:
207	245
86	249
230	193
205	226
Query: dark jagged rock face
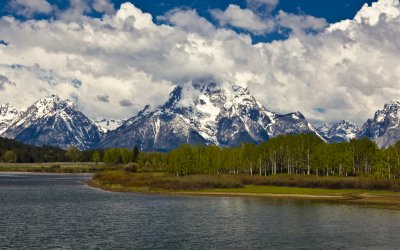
205	113
54	122
342	131
384	128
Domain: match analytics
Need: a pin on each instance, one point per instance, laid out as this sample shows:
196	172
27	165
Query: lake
49	211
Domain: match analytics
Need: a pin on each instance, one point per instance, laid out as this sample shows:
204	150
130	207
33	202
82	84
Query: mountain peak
346	122
52	103
7	108
174	97
6	105
384	128
393	104
241	88
56	122
55	98
145	110
342	131
389	109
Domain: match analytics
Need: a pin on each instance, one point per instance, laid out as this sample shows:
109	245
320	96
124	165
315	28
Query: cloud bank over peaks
114	65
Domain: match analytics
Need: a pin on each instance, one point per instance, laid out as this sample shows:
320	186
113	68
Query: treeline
14	151
303	154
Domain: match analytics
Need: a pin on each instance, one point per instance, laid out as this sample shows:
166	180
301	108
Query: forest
303	154
14	151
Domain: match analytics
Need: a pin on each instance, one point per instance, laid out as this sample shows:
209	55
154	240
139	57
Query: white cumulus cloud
115	65
243	18
300	23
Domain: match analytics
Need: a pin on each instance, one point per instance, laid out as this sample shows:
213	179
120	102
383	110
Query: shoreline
46	173
389	201
381	199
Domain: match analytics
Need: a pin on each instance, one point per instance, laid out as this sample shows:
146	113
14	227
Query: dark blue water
61	212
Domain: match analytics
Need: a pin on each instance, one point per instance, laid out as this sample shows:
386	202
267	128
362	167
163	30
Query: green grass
251	189
55	167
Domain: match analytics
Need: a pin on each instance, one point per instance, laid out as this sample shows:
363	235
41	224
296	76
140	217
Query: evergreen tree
135	153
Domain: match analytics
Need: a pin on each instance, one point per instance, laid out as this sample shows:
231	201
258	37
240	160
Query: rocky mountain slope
205	113
202	113
106	125
8	114
384	128
342	131
55	122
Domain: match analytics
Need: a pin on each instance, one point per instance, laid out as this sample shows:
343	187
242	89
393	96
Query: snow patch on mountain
56	122
343	131
106	125
384	128
8	114
205	113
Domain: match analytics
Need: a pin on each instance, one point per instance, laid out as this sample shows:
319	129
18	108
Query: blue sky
329	59
331	10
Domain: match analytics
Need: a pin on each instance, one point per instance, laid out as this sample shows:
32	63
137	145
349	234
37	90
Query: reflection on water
60	211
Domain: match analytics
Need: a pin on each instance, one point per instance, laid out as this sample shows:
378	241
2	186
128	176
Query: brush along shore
363	190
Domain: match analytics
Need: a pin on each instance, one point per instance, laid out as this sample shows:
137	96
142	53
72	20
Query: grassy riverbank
55	167
349	189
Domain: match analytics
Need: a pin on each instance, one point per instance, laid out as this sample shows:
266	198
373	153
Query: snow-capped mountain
8	114
161	129
55	122
384	128
106	125
205	113
342	131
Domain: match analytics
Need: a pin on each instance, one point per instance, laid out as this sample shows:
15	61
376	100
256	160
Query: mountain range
214	115
201	113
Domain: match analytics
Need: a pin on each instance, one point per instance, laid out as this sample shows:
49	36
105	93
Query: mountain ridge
202	113
55	122
214	115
